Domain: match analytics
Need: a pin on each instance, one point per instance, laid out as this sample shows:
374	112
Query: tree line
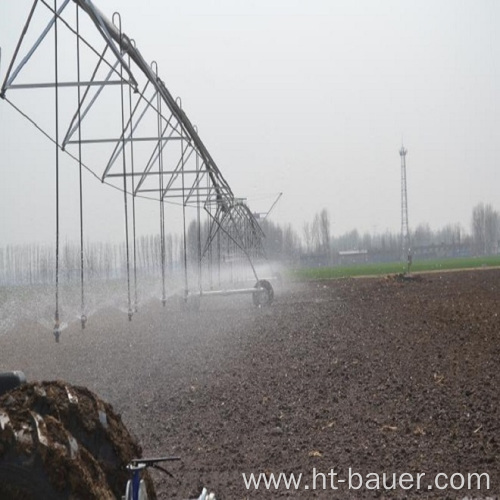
316	239
35	263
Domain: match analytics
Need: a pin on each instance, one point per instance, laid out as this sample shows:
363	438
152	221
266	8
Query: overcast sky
309	98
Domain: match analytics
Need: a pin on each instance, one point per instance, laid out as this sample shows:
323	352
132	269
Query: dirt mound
60	441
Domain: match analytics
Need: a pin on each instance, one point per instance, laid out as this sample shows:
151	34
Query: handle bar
151	461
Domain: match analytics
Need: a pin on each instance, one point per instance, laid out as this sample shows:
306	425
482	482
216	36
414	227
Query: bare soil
377	375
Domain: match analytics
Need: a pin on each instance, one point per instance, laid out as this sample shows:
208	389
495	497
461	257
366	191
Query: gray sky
309	98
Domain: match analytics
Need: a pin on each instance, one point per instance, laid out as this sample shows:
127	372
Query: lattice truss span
84	83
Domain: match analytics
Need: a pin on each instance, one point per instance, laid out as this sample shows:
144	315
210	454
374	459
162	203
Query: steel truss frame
174	166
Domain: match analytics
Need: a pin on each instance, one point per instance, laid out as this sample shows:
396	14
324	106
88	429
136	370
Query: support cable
57	323
161	186
210	253
83	317
186	286
198	218
219	257
125	196
131	124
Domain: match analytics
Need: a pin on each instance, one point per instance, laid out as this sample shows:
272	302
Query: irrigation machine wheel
264	293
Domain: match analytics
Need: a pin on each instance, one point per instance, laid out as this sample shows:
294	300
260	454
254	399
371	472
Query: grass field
375	269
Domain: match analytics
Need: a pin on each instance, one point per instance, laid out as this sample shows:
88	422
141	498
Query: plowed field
373	375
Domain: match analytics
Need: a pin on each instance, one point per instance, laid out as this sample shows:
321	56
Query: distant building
352	257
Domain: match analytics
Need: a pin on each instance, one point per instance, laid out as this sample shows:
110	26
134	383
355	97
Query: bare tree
485	229
422	235
307	233
316	233
324	226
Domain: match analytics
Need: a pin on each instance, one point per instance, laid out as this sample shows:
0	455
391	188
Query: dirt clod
62	441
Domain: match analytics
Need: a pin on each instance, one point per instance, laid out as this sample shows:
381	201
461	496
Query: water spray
57	327
178	179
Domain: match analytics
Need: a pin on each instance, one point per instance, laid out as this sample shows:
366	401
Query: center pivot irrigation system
85	85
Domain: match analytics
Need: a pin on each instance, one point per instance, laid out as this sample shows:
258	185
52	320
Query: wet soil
377	375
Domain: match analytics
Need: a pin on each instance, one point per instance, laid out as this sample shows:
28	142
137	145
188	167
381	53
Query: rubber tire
11	380
82	421
263	297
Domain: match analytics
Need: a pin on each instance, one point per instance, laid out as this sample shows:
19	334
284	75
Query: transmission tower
405	230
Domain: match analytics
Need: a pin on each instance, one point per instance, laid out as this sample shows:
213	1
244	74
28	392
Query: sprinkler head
130	314
57	331
83	319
